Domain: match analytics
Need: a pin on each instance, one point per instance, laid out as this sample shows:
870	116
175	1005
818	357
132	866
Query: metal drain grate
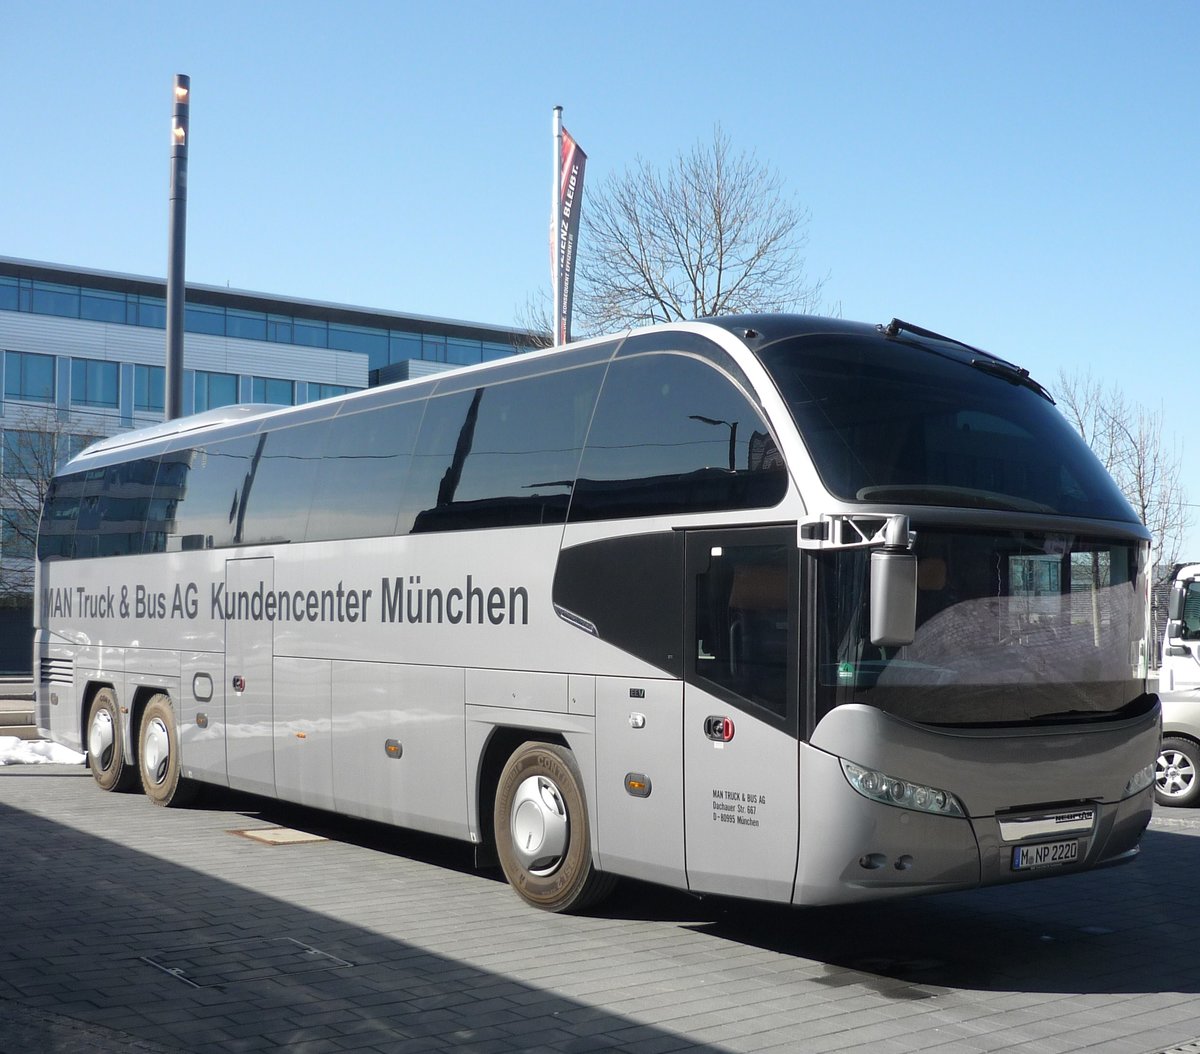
231	962
1186	1048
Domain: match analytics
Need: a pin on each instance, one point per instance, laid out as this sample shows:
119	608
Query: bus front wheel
542	835
106	756
158	756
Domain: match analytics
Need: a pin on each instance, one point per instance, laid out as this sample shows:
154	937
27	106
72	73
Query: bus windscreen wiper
989	363
1013	374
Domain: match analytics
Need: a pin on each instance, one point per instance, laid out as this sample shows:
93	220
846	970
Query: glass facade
149	388
215	389
94	383
28	375
273	390
381	345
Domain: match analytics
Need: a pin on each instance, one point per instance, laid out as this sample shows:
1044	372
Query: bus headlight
880	787
1140	780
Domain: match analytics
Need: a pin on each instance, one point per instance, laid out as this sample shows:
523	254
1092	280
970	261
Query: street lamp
175	247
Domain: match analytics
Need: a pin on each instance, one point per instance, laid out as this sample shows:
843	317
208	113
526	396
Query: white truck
1177	775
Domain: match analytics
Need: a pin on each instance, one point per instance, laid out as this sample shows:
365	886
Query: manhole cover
212	965
279	836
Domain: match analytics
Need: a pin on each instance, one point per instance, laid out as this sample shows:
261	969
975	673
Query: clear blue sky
1023	175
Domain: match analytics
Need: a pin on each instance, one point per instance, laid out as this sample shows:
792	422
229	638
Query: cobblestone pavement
131	928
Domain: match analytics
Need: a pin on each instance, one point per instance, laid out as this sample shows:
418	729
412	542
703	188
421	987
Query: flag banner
566	235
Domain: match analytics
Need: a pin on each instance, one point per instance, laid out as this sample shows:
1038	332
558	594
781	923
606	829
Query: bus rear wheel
158	756
106	756
542	834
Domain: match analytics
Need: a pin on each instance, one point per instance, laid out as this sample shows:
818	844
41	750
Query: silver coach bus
770	606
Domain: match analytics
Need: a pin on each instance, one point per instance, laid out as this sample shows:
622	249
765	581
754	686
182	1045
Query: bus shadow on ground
1127	929
108	945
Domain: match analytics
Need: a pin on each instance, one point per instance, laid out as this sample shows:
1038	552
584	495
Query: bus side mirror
1175	601
893	598
1174	629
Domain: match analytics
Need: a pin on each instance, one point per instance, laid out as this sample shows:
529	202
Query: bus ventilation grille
58	671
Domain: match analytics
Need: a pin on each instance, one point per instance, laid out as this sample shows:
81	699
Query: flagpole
556	227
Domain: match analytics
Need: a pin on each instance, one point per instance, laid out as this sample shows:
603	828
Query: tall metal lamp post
175	248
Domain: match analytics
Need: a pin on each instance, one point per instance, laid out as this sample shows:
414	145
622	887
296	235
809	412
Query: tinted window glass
517	453
56	533
888	421
672	434
152	312
312	334
49	299
8	294
148	387
742	622
215	389
249	325
28	375
274	390
93	382
29	455
210	514
112	513
102	306
197	318
446	428
170	485
363	471
275	504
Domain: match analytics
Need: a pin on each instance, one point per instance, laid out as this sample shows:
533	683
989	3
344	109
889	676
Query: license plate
1049	854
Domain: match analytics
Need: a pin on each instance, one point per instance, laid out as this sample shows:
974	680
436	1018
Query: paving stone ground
129	928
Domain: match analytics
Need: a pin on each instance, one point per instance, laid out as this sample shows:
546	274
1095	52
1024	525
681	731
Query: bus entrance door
740	745
249	682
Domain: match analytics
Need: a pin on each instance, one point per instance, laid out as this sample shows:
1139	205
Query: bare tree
1129	441
34	446
714	233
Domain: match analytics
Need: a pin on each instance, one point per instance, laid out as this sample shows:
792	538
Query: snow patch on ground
14	751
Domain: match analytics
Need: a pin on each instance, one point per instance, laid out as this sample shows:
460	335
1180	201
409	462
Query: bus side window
672	434
504	455
742	623
363	472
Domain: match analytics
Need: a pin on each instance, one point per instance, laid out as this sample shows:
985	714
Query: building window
28	375
18	529
249	325
28	455
8	294
279	329
273	390
94	383
102	306
215	389
51	299
149	386
148	311
326	391
199	318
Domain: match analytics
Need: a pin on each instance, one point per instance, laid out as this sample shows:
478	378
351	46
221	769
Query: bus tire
158	756
1177	773
542	834
106	756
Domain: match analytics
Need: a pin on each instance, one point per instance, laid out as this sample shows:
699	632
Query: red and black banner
566	234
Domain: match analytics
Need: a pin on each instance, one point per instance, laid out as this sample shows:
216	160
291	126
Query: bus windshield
901	422
1011	627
